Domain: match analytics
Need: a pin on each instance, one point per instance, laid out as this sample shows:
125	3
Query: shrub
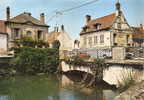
35	60
127	80
100	63
29	42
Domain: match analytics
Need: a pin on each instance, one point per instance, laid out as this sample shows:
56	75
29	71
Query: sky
75	19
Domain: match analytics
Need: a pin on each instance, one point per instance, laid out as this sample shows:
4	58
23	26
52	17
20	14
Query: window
101	38
90	41
39	35
95	40
119	25
127	39
16	32
29	33
97	25
114	39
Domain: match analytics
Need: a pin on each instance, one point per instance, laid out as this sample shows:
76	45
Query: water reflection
102	91
50	88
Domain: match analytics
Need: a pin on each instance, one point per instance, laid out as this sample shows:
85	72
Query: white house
107	31
3	43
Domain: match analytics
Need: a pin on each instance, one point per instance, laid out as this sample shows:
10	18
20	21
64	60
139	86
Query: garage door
3	44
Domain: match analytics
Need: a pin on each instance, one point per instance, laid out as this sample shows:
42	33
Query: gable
121	23
25	18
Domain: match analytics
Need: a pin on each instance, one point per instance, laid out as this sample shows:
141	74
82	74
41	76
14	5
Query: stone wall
134	93
118	53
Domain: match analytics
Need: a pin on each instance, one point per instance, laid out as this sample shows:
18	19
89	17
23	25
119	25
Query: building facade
106	32
3	43
138	36
25	25
66	43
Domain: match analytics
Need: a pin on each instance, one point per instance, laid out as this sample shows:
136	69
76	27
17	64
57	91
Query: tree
56	44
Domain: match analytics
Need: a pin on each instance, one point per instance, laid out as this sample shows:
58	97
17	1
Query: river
60	87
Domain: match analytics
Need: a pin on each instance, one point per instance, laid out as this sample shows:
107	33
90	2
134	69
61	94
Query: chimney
118	8
42	18
56	29
8	13
142	26
27	13
88	18
62	28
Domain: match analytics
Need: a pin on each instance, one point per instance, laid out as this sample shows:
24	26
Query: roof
26	17
2	26
103	22
53	36
138	33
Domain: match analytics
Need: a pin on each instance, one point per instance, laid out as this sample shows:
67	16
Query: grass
127	80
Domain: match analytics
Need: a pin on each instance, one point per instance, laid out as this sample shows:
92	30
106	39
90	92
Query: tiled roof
53	36
138	33
2	26
26	17
103	22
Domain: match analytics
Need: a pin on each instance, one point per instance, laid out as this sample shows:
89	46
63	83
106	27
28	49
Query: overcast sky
74	20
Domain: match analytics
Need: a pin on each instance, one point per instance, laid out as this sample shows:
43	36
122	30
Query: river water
50	88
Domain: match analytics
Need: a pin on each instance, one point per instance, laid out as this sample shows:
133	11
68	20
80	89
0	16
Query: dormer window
85	28
97	26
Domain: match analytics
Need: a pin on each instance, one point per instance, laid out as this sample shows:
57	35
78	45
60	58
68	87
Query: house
66	43
138	36
107	31
3	39
24	25
3	43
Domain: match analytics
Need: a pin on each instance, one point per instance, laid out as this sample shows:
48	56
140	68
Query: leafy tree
56	44
36	60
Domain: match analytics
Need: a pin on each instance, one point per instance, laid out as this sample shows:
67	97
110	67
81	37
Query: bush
35	60
127	80
29	42
100	62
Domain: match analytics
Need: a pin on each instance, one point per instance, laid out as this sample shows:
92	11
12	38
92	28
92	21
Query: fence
94	53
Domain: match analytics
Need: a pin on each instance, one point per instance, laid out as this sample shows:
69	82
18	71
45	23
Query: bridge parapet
66	67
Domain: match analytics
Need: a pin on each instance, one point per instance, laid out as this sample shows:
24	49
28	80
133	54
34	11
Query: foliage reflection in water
49	88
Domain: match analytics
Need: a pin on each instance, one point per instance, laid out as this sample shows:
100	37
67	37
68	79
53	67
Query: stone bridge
113	75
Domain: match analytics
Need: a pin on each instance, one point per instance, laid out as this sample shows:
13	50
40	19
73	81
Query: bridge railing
94	53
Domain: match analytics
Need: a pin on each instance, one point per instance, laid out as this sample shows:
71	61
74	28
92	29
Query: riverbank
135	92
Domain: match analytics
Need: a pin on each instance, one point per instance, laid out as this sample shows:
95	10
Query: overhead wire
57	13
